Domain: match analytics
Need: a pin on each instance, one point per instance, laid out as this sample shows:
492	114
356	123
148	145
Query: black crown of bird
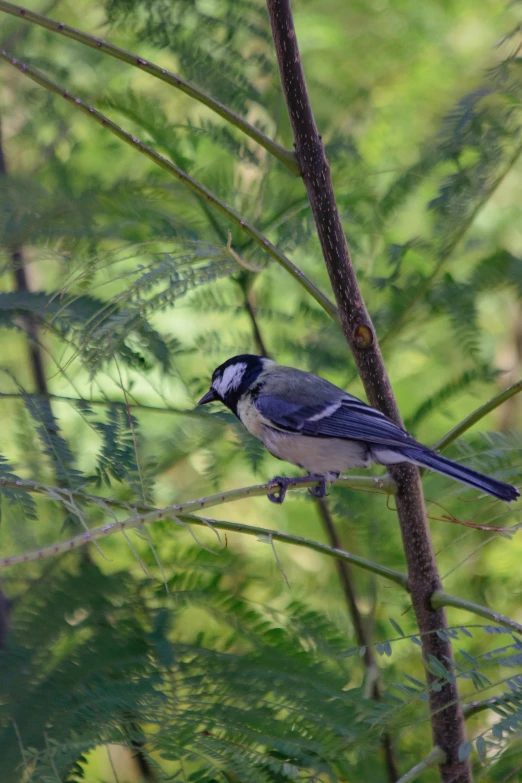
307	421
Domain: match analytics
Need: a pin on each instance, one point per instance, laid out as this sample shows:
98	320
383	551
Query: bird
309	422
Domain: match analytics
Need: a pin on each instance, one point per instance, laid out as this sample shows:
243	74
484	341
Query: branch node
363	336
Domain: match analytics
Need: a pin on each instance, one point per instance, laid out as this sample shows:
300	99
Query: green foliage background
230	674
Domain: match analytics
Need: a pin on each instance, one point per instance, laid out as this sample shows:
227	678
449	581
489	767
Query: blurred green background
419	108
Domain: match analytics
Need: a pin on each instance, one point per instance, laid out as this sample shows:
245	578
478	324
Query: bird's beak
210	396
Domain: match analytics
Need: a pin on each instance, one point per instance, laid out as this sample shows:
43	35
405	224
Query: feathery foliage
196	661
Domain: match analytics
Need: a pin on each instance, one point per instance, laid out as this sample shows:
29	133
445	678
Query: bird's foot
282	483
319	491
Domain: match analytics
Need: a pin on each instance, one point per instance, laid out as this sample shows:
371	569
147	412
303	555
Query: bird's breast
251	418
323	456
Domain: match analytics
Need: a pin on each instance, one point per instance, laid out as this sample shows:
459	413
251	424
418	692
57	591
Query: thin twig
179	174
286	157
363	637
21	746
433	759
245	283
474	707
196	412
477	415
258	337
279	564
361	633
136	555
237	258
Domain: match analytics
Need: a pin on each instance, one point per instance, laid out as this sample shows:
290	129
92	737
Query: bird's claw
320	491
282	483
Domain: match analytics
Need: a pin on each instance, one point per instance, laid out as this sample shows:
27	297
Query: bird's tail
430	459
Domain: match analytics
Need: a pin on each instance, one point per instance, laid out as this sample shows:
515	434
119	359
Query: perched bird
313	424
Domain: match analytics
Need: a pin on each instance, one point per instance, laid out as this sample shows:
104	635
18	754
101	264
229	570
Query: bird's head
233	378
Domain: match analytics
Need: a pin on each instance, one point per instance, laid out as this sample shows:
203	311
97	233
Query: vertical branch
36	362
137	746
246	287
5	607
363	637
510	411
447	719
22	284
31	326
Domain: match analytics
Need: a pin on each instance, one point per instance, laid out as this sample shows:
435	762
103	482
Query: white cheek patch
231	379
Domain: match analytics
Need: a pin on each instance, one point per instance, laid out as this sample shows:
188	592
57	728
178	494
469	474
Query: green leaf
464	750
481	746
396	626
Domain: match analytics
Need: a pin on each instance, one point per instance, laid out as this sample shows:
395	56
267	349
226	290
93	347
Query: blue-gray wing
345	418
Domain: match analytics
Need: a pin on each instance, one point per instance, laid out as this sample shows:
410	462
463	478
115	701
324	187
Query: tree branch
436	757
361	633
440	598
182	511
249	307
186	520
22	284
448	726
286	157
474	707
477	415
366	483
201	191
107	402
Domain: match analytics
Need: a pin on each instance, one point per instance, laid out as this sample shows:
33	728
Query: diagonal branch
447	722
187	520
477	415
182	513
286	157
190	183
264	534
435	757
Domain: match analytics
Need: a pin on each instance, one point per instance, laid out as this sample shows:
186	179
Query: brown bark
447	719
